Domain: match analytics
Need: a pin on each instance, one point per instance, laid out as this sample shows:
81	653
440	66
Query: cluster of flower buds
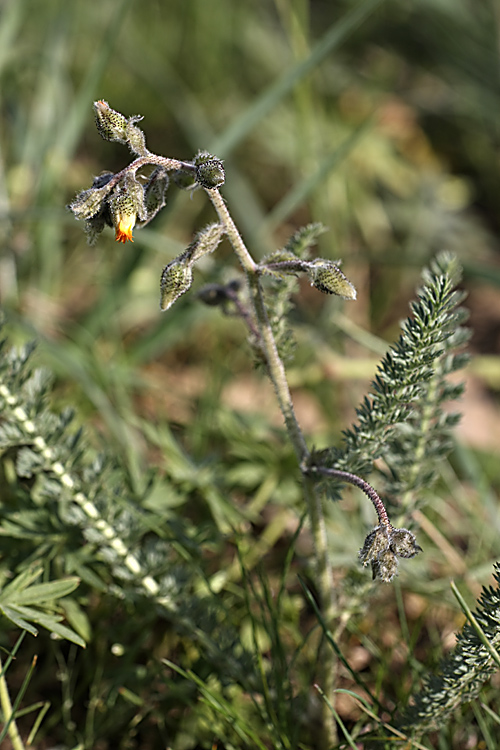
120	201
384	544
124	200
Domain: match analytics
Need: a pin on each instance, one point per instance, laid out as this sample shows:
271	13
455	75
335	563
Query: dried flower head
375	544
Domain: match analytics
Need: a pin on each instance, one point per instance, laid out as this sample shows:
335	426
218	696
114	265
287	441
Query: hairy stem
171	165
278	377
370	492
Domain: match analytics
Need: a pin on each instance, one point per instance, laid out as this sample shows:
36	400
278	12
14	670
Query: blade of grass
36	726
346	733
334	37
9	710
220	706
492	714
303	189
487	738
328	635
474	623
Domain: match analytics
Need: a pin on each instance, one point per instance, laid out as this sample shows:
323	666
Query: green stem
277	373
13	731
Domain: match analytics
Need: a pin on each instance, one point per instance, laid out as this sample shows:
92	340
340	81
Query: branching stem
278	377
170	165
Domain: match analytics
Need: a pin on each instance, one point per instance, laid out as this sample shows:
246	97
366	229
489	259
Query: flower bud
328	278
176	279
154	192
135	137
88	203
123	208
386	567
403	543
209	170
111	125
205	242
375	544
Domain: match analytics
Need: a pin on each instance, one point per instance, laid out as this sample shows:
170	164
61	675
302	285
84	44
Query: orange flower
123	227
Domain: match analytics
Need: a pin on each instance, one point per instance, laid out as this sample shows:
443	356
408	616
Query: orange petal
124	236
124	229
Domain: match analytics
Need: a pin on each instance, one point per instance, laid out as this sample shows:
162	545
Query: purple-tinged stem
346	476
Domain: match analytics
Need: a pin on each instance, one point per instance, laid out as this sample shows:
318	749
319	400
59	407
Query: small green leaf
45	592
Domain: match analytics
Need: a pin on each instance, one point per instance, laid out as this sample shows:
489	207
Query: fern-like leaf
402	420
465	669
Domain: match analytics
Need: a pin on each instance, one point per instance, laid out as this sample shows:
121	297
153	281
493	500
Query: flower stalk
384	544
277	374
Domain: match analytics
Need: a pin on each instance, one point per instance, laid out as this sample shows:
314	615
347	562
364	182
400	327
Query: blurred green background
379	119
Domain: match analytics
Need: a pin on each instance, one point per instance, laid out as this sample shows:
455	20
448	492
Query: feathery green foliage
463	672
70	508
402	420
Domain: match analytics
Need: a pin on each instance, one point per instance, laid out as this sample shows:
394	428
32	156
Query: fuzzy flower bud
328	278
123	208
403	543
376	543
154	192
209	170
111	125
205	242
176	279
135	137
386	567
90	202
87	204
